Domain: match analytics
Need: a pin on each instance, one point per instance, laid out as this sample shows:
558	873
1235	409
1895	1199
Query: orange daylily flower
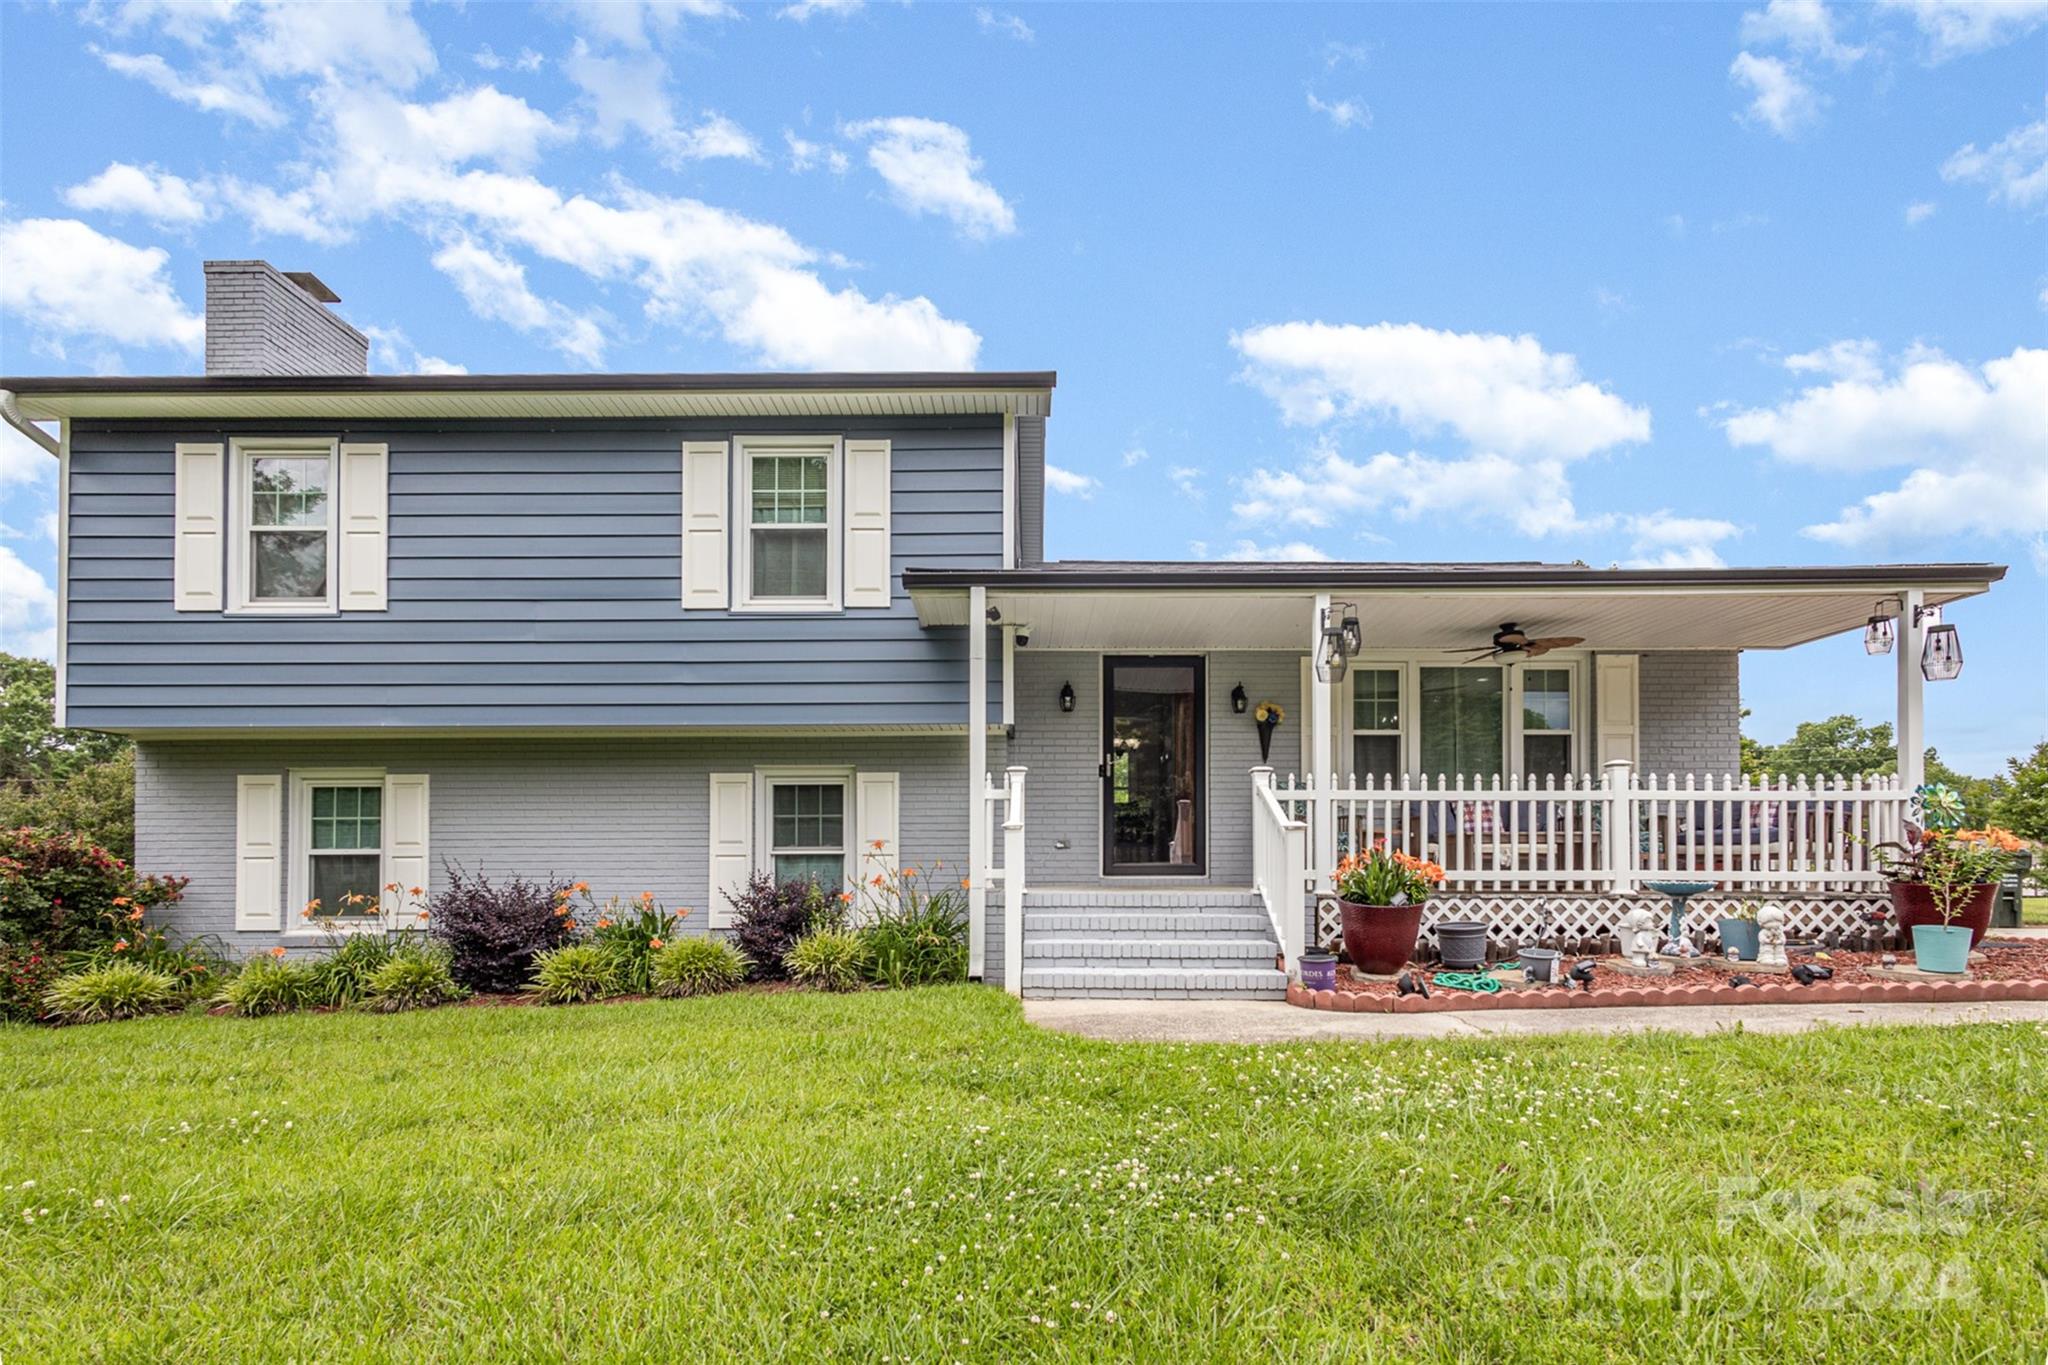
654	943
604	922
422	915
581	888
278	951
965	883
877	845
122	900
846	898
393	886
647	898
120	945
135	914
416	891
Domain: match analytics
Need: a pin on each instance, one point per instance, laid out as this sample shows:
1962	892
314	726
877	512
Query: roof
748	394
1101	574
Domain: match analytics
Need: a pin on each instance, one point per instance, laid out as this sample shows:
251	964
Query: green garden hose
1466	981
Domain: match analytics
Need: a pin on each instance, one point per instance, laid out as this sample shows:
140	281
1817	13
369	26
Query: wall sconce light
1941	657
1881	633
1354	634
1334	646
1238	700
1066	696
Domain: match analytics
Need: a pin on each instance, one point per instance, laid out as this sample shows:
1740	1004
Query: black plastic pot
1462	943
1540	964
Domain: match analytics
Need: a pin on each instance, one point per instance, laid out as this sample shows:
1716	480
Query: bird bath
1680	893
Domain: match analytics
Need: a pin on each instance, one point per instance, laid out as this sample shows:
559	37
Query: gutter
10	412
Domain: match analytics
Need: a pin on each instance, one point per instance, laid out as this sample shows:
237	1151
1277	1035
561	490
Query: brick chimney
260	320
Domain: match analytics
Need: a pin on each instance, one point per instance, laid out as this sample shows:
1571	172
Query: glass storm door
1151	767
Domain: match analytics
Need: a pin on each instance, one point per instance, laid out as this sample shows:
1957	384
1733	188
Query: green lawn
2034	910
922	1176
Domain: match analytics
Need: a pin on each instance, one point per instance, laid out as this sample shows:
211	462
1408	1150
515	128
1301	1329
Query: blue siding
534	581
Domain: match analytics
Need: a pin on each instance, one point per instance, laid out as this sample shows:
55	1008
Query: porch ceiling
1633	617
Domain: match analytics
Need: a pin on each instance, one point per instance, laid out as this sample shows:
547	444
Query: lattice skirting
1519	919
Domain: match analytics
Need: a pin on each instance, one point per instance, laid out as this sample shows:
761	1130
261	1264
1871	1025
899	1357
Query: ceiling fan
1510	639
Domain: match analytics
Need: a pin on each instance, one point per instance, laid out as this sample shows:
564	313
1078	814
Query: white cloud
1330	489
1974	440
146	191
1187	481
804	154
210	94
930	168
28	609
1345	113
1919	211
1071	483
373	38
1497	392
637	23
1779	99
1135	456
495	288
1955	27
62	279
1007	25
489	60
392	352
1251	552
2015	166
23	463
714	135
1664	541
1859	360
1803	26
804	9
631	94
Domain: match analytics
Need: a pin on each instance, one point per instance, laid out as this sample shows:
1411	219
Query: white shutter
405	849
199	517
876	806
706	547
867	523
1615	707
732	841
259	839
364	482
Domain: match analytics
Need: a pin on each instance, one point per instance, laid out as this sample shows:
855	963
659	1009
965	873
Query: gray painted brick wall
1062	750
626	815
259	322
1691	712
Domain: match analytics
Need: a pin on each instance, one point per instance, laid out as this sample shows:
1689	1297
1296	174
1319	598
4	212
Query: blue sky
1655	284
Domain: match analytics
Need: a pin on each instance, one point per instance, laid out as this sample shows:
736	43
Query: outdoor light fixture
1066	696
1238	700
1341	638
1941	657
1881	633
1354	634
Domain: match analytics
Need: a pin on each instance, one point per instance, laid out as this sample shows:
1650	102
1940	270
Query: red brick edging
1603	996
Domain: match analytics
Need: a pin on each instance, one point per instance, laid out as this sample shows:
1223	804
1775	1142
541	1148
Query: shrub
69	892
494	933
122	990
198	965
632	935
770	916
574	974
698	966
96	800
27	970
415	976
271	984
915	935
342	975
829	960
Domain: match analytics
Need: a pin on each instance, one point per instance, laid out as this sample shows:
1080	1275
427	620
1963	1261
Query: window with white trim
1546	722
283	552
344	849
1376	723
789	544
808	827
1410	715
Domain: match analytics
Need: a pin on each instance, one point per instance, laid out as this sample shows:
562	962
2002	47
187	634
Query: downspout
11	412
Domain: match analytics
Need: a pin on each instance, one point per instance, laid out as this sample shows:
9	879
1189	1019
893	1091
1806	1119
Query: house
665	631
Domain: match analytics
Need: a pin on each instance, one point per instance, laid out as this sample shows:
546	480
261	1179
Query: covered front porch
1551	783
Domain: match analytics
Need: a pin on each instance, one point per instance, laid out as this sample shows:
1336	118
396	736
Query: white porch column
1321	811
977	779
1912	726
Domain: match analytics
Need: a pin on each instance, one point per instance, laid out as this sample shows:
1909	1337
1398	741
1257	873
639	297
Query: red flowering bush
26	971
70	893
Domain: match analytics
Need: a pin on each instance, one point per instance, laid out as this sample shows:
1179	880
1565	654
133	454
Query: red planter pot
1379	939
1914	904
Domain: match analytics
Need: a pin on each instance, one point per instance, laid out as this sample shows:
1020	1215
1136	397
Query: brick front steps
1602	996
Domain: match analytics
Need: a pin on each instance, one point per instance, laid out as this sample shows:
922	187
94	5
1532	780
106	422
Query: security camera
1023	636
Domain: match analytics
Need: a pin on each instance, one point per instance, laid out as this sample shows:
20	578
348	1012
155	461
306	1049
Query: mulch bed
2009	970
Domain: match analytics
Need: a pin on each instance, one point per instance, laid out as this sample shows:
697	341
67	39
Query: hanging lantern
1941	658
1881	634
1354	634
1330	661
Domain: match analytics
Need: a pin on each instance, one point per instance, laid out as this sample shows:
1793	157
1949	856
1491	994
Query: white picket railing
1608	834
1005	802
1280	868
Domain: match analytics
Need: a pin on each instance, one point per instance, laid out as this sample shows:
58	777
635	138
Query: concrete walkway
1263	1021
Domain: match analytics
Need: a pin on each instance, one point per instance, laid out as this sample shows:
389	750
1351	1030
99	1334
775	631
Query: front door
1152	747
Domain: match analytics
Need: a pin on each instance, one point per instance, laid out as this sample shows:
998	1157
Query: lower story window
807	831
345	851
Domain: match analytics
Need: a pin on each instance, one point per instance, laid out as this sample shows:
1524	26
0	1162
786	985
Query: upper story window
790	547
282	554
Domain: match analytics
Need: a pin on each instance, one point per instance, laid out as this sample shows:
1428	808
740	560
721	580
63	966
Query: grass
922	1176
2034	910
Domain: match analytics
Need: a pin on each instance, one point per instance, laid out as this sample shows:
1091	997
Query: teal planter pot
1739	934
1941	948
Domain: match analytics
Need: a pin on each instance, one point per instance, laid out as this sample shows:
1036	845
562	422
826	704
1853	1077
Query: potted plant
1268	716
1738	931
1943	879
1380	898
1319	967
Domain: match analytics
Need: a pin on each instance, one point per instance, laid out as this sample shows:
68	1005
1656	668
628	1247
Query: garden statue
1770	935
1639	929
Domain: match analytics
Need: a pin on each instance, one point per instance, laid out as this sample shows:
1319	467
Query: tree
2023	806
1840	746
60	781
